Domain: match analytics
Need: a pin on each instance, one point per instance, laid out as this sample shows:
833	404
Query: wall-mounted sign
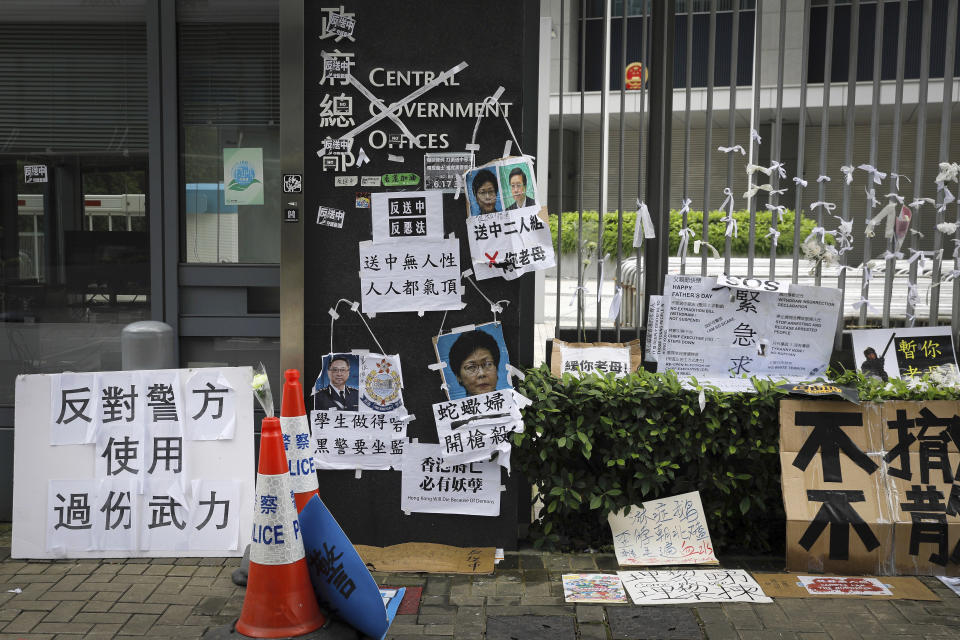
636	75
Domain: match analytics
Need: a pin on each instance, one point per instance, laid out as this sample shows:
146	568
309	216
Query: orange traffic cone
297	441
280	601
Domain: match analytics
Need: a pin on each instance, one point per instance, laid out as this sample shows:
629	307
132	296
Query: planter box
871	488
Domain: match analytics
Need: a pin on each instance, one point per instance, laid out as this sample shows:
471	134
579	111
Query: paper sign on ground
660	532
787	585
905	351
952	583
430	484
428	557
688	586
712	331
593	587
844	586
341	580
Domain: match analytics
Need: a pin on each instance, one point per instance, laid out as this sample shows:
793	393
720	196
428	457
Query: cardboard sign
789	585
716	331
871	489
691	586
164	474
843	586
581	358
428	557
668	531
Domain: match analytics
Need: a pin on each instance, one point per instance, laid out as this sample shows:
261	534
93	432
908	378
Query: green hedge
596	445
739	245
599	444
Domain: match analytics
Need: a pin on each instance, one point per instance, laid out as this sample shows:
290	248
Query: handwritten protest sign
871	489
472	428
668	531
687	586
159	474
843	586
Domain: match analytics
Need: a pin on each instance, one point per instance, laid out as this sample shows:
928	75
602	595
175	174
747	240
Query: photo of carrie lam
476	361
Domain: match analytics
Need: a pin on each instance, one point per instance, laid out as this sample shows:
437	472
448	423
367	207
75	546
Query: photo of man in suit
337	395
518	190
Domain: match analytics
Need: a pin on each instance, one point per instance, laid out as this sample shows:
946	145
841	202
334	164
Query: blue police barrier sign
340	578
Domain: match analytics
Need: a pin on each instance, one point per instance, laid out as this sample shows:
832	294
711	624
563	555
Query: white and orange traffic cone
280	601
297	440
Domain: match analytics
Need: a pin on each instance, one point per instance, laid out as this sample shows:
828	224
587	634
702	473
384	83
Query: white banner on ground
136	487
687	586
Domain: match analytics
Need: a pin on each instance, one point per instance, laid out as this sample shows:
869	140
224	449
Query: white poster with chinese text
420	275
689	586
404	215
432	484
723	332
509	244
358	440
142	487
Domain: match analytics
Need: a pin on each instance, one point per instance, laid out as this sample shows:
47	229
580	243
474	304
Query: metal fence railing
828	106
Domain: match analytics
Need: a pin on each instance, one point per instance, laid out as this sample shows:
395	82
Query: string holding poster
884	471
506	230
715	332
689	586
671	531
906	352
158	477
431	484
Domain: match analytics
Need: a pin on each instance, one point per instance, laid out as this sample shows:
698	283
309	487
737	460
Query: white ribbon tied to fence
895	196
699	243
643	226
685	234
752	191
863	301
949	172
779	208
799	181
847	171
947	197
948	228
877	176
734	149
753	168
823	178
729	219
776	165
774	234
829	206
896	178
755	135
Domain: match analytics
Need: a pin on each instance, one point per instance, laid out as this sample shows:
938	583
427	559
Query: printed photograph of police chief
519	189
338	385
476	361
483	191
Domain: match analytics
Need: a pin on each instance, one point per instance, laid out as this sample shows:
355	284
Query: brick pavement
184	598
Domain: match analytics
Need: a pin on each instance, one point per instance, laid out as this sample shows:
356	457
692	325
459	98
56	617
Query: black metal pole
658	149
